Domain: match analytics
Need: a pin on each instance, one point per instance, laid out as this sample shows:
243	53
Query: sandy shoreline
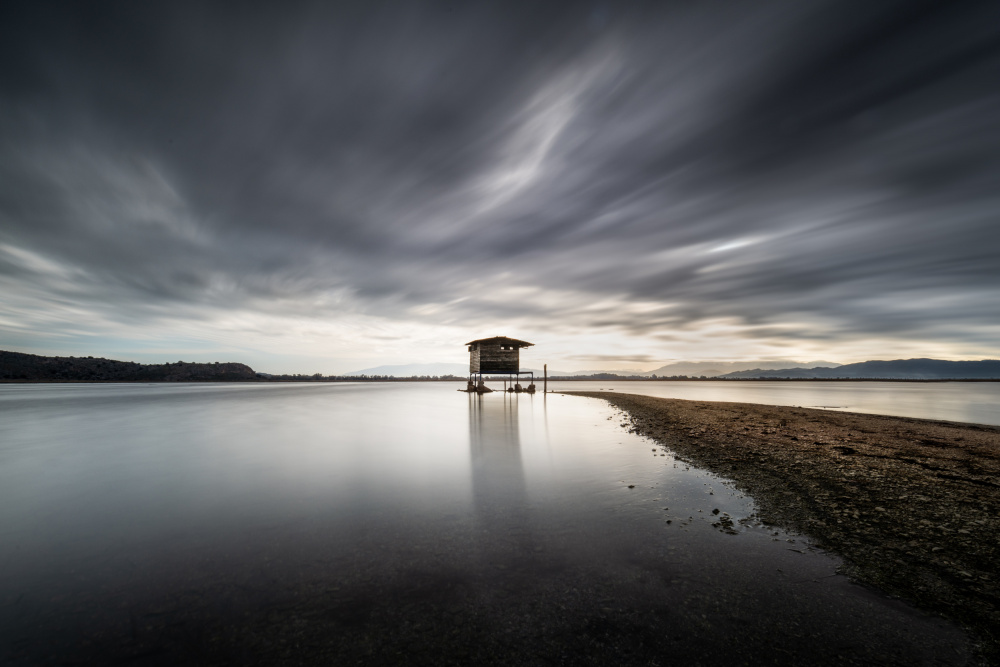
912	505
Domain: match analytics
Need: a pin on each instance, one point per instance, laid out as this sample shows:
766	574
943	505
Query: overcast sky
325	187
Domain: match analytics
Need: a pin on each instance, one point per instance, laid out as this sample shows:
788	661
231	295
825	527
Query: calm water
974	402
396	523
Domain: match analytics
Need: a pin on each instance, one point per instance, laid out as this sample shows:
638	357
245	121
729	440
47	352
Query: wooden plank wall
485	358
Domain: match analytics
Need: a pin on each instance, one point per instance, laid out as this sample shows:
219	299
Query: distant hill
716	368
16	366
899	369
689	368
439	369
414	370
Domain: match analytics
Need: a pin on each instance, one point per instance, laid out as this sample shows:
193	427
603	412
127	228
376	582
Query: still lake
400	523
971	402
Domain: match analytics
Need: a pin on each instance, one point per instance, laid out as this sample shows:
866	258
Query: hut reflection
495	447
499	490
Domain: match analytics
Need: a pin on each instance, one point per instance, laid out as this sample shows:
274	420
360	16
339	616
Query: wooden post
545	386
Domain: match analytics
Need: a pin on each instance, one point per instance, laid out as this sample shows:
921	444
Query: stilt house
499	355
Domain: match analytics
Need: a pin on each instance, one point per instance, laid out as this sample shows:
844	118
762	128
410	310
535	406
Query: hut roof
503	340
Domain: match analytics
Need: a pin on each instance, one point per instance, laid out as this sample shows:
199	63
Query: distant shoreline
307	380
20	367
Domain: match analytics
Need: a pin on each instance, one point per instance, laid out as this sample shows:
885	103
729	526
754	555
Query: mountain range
898	369
688	368
717	368
16	366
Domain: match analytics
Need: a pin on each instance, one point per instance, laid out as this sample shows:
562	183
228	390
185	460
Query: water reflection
223	525
499	488
495	449
975	402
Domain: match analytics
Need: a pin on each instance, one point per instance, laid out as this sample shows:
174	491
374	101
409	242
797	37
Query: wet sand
912	505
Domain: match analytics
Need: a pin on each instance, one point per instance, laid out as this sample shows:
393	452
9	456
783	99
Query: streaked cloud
339	186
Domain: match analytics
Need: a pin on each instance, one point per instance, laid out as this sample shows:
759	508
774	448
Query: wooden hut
497	356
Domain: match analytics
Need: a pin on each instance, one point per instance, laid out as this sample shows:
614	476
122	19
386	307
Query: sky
322	187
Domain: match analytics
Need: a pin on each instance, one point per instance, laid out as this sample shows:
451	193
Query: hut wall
486	358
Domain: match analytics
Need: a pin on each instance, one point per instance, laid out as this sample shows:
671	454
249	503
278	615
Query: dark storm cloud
833	164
